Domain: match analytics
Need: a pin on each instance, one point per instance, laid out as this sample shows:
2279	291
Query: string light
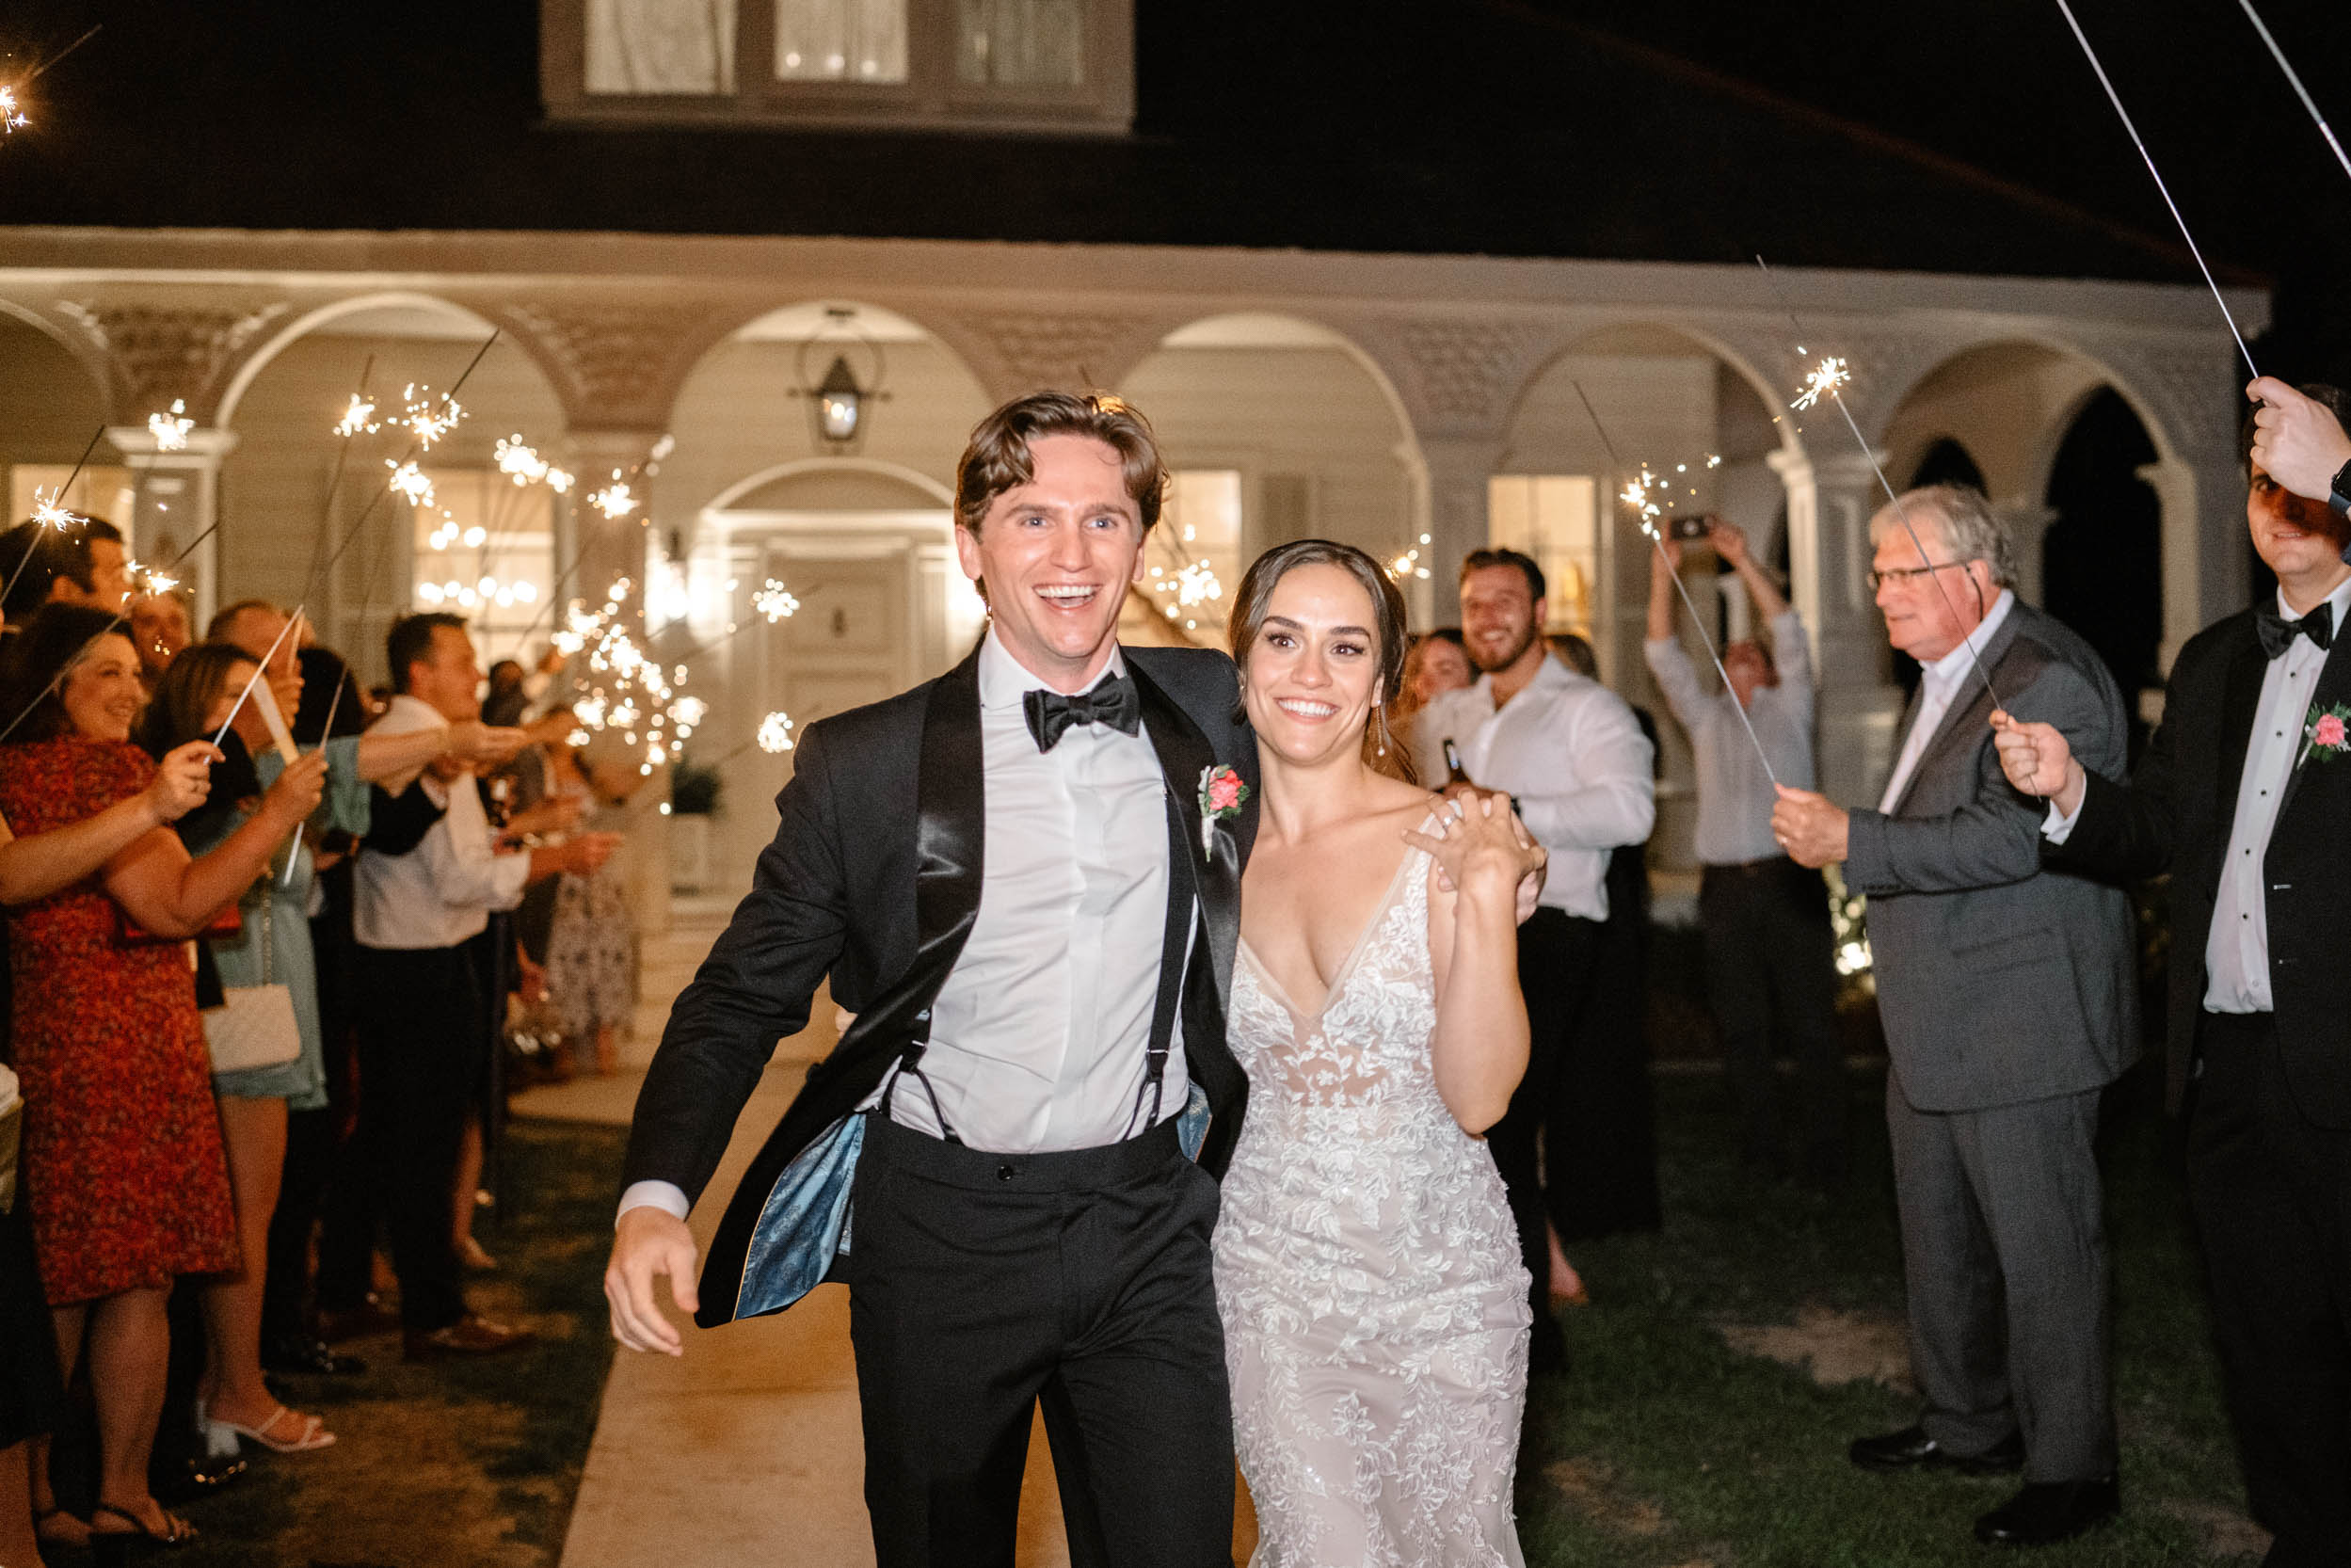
170	431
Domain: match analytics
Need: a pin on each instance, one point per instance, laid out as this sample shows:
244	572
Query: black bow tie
2278	634
1114	702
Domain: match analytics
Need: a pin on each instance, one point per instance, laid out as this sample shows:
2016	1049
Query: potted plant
693	796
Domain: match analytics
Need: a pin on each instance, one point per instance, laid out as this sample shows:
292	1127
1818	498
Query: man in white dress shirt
1572	755
2244	794
422	1013
1769	952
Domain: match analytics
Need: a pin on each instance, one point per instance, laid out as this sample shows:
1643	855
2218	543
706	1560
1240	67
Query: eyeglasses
1903	576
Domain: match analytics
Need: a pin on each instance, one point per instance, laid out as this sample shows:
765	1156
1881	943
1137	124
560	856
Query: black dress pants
1769	958
2272	1194
983	1284
1557	955
421	1047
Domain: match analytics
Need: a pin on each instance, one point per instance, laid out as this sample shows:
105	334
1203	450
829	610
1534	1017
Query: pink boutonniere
1221	794
2324	732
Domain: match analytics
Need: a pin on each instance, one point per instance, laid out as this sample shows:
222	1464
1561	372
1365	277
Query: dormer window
1065	65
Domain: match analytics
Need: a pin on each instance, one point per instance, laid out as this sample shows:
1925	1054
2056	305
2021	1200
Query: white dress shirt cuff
2058	826
666	1196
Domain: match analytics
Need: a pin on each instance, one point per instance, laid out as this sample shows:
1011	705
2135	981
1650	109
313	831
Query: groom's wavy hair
1388	623
997	456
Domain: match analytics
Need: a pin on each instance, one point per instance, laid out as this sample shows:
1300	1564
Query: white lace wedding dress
1367	1271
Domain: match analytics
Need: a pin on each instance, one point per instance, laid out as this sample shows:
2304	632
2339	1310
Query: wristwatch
2341	487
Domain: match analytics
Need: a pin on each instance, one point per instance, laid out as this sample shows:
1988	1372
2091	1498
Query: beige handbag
255	1027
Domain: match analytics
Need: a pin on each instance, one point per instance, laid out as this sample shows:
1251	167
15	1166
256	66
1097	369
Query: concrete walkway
747	1450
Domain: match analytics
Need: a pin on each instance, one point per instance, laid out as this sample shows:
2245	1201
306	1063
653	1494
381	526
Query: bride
1366	1268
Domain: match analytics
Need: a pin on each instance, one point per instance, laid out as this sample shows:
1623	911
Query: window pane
486	549
660	46
1554	519
1194	553
840	41
1021	43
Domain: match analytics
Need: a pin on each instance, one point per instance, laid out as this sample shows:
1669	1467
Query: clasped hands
1490	843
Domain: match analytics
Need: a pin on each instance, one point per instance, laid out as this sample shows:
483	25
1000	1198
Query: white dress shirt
1573	754
1939	683
1734	794
440	892
1041	1032
2236	950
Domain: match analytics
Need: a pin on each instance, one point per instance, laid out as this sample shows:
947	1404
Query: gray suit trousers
2003	1249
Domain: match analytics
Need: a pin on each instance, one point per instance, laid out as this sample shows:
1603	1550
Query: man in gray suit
2010	999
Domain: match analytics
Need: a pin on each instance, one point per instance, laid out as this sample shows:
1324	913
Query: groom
1002	872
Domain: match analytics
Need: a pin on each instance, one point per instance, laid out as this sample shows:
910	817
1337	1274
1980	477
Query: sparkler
11	121
292	621
775	602
170	431
614	500
360	419
429	418
1828	380
50	512
2124	115
1637	495
412	482
2299	90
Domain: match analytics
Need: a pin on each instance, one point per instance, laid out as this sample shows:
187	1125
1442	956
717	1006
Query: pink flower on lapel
1221	794
2327	732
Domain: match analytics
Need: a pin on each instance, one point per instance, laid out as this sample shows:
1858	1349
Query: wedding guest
271	946
123	1154
1436	662
32	1396
259	628
506	701
1571	754
424	1013
591	939
1769	952
82	563
2010	992
2243	795
2301	442
159	629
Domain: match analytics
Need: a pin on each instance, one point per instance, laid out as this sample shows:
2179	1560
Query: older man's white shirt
1573	754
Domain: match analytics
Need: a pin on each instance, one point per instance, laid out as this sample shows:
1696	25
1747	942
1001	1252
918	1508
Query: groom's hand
1467	796
650	1241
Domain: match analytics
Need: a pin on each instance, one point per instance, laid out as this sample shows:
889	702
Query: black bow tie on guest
2278	634
1114	702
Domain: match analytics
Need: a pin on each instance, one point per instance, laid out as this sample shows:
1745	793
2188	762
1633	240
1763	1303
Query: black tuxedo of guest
2268	1094
873	880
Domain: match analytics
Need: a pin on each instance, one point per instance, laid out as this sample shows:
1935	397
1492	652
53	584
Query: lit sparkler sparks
1196	584
360	419
151	580
1824	381
50	512
170	431
429	417
775	602
614	500
412	482
11	121
776	733
686	713
516	459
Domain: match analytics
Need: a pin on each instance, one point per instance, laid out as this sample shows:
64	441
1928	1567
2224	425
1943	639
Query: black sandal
113	1543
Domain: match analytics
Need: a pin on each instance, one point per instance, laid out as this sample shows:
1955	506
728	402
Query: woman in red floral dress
122	1158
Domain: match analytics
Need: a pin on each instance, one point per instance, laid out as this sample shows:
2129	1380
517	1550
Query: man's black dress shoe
1912	1449
2046	1512
302	1353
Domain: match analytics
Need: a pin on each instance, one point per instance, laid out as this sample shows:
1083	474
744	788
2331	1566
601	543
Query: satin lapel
951	830
2334	683
1970	713
1184	755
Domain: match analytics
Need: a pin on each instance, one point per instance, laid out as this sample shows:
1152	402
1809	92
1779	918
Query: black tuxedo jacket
2178	811
873	880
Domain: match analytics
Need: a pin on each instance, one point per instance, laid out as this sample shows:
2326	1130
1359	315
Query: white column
2027	520
607	549
2204	575
1830	504
177	495
1454	474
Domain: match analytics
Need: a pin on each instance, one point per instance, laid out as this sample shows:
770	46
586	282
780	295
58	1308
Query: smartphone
1686	528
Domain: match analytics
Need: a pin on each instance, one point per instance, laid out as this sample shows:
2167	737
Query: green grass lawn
1663	1447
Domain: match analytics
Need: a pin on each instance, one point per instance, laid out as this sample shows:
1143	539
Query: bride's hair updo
1387	601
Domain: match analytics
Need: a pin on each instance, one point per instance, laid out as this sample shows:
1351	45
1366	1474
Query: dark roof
1487	126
